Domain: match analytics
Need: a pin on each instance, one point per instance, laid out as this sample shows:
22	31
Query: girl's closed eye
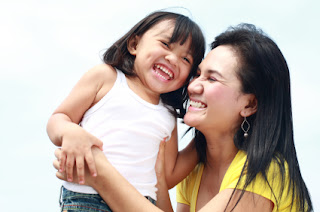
187	60
165	44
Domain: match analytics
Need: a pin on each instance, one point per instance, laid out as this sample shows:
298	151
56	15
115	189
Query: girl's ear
251	107
132	44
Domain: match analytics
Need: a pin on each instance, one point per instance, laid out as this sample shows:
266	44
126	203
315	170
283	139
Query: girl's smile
161	66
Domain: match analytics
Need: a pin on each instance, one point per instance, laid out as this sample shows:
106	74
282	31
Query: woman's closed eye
212	79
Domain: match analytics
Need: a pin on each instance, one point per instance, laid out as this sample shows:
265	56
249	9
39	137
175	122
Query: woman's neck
220	150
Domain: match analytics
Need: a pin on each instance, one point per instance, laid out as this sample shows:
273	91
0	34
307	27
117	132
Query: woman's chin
190	120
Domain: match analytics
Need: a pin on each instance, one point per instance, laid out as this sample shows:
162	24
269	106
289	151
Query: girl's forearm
56	126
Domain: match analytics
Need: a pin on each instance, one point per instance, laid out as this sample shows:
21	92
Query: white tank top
131	130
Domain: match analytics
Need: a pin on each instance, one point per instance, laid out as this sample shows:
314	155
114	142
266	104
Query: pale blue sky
45	46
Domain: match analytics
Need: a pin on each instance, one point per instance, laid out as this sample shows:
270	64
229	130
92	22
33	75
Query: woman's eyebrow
211	71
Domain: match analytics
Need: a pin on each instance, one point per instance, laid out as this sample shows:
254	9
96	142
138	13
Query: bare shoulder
103	72
105	76
249	202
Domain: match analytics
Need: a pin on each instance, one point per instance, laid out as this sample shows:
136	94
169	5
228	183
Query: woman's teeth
197	104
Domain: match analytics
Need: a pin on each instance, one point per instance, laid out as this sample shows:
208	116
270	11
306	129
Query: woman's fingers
61	176
91	164
56	165
159	167
57	153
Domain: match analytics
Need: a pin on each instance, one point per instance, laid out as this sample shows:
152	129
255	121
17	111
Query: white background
45	46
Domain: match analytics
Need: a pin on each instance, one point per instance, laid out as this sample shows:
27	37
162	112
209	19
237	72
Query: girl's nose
195	86
172	58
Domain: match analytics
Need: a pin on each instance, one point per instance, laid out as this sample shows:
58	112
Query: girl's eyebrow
164	34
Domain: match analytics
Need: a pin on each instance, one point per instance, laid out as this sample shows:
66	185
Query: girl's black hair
119	57
264	73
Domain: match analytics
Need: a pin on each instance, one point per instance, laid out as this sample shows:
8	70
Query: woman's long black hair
264	73
118	55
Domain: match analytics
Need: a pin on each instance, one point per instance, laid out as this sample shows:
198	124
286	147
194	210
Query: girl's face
160	66
215	94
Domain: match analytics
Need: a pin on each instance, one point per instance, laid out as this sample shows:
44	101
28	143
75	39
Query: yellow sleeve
260	186
181	193
187	189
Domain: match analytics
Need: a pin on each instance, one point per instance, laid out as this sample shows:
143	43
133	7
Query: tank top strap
121	78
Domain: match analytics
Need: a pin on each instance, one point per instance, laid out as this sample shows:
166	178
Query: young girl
127	106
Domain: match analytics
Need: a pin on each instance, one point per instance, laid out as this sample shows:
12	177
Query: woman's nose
195	86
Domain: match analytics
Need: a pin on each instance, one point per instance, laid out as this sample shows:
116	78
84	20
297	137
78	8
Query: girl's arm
63	126
178	164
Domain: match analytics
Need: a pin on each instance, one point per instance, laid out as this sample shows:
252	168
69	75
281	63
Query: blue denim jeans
73	201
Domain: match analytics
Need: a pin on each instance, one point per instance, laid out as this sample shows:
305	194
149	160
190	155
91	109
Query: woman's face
215	93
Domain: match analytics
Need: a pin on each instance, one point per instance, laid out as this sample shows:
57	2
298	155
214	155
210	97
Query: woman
240	106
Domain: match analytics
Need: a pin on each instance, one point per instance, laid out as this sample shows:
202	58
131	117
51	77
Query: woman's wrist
101	162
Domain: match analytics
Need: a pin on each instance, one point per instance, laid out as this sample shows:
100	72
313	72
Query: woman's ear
251	106
132	44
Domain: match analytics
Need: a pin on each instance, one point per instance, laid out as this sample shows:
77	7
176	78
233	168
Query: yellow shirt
187	190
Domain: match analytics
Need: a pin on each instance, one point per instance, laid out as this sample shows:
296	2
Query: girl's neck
146	94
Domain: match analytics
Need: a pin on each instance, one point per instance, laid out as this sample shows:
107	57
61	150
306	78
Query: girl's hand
76	149
63	176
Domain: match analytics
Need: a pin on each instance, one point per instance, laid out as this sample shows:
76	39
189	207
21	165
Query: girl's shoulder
104	72
105	76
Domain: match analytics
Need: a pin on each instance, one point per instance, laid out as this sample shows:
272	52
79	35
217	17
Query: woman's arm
122	196
119	194
183	207
116	190
250	202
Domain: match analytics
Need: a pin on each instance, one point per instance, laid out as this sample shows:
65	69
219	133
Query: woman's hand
163	199
160	167
119	194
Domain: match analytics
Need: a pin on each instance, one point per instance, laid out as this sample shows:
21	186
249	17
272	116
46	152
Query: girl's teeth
161	75
165	71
